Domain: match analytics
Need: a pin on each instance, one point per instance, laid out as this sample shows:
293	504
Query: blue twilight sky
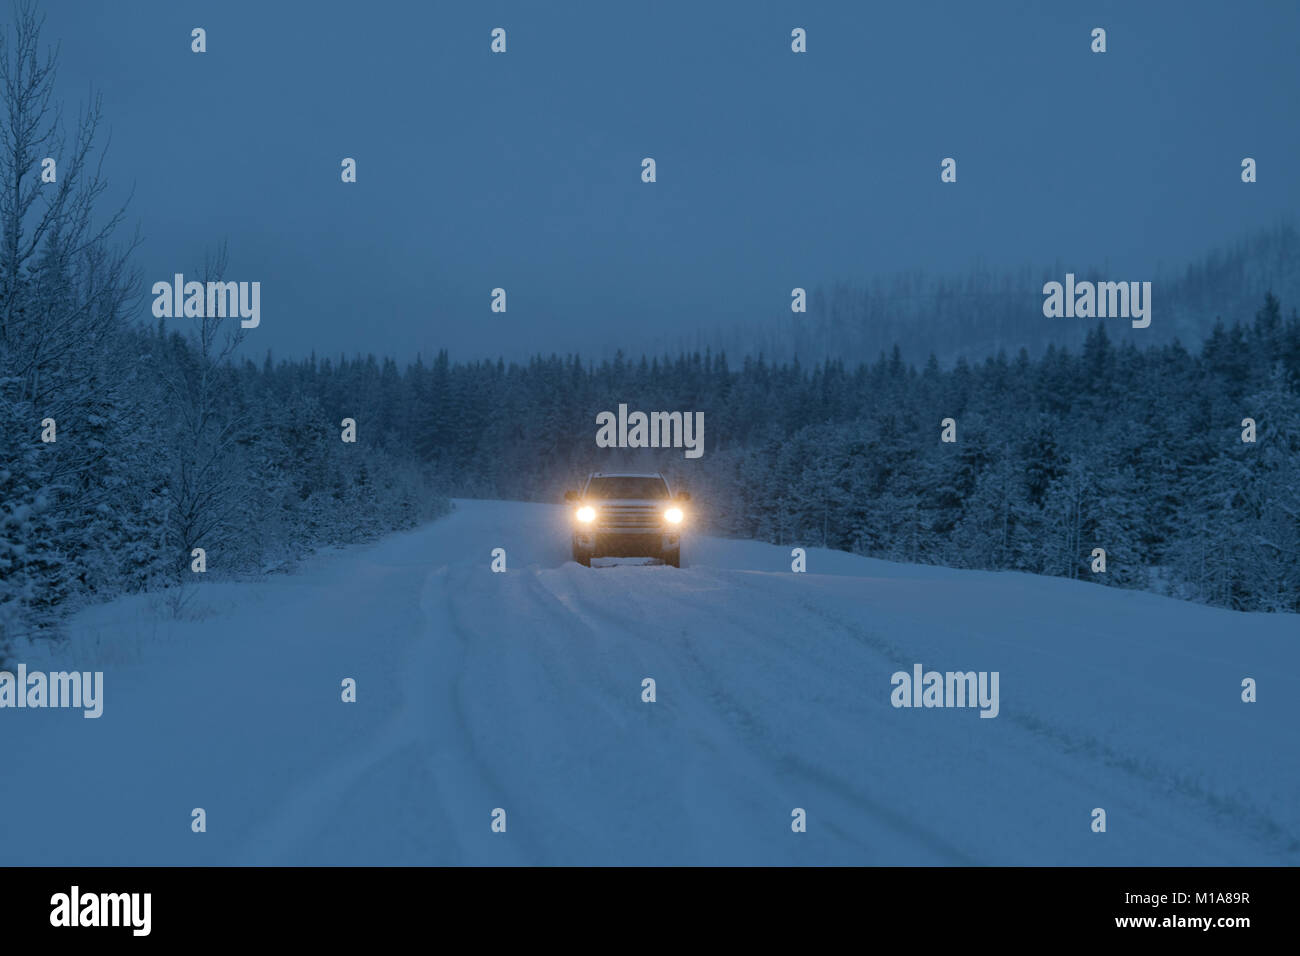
522	170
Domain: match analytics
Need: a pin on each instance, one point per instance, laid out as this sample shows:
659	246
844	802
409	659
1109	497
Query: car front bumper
624	543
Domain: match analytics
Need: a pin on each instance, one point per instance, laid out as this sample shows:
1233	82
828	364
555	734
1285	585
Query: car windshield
627	486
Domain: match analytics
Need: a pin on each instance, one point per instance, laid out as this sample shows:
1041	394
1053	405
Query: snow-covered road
523	691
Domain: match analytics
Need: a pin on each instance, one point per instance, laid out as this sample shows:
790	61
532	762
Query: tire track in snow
751	735
315	799
1255	823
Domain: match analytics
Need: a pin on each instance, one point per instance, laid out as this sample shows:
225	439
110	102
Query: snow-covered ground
523	691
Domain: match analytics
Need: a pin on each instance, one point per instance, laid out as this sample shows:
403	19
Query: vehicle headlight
586	514
673	515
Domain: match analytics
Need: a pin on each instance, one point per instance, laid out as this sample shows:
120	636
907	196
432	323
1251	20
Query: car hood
645	502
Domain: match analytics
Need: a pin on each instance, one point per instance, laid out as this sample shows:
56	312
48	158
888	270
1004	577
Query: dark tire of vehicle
582	557
673	557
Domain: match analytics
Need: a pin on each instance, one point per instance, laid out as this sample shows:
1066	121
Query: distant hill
982	311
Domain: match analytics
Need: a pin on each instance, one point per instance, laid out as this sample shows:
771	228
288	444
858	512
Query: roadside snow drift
523	691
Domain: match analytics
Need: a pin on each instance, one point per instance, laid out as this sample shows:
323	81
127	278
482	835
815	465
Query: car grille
629	518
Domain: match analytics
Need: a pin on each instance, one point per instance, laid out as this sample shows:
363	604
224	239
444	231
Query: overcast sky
523	170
